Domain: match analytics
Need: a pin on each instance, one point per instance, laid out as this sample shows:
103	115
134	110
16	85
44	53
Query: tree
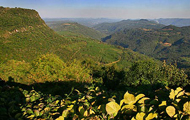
143	73
173	75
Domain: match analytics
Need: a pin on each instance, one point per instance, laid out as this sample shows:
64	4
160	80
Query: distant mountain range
109	28
89	22
179	22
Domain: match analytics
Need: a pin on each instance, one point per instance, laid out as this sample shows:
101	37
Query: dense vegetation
94	103
110	28
25	40
75	28
51	68
49	88
169	43
44	75
24	35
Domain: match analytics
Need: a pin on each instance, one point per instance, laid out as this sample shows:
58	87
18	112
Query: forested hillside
75	29
24	35
109	28
169	43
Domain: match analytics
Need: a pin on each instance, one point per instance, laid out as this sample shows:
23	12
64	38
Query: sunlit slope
24	35
169	43
83	48
75	28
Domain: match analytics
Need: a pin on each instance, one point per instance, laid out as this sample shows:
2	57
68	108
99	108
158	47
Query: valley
169	43
62	70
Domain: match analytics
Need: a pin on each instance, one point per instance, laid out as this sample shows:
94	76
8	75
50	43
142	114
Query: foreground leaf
186	107
172	94
112	108
151	116
170	111
60	118
178	90
140	116
139	97
129	98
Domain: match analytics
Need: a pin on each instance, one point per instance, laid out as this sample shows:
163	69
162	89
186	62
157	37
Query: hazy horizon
120	9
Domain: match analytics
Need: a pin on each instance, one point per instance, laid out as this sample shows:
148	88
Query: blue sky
124	9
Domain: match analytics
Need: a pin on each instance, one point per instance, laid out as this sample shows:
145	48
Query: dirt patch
166	44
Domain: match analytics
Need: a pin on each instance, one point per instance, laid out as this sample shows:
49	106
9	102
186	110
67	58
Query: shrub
151	73
47	67
143	73
50	67
173	75
14	70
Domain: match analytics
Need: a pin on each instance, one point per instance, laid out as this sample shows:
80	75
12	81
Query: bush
173	75
151	73
45	68
143	73
14	70
112	76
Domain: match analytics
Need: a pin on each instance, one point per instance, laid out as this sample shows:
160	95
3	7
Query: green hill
170	43
24	36
75	29
109	28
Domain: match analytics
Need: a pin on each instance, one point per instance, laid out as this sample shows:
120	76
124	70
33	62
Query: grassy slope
75	28
84	48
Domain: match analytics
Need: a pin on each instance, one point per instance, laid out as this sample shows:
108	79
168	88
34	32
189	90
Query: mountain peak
144	20
14	18
169	27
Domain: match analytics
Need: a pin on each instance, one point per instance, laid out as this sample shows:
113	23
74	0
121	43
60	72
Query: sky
120	9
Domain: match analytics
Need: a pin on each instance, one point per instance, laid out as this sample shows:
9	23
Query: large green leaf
170	110
139	97
130	106
151	116
60	118
129	98
186	107
140	116
142	101
112	108
64	113
178	90
172	94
